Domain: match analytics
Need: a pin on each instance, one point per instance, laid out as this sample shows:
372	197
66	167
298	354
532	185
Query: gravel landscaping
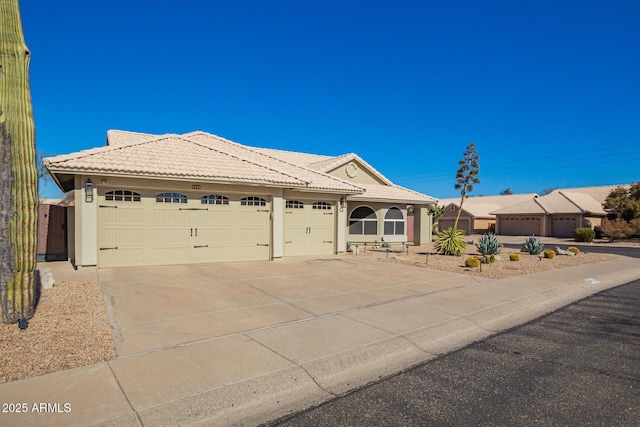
70	329
502	268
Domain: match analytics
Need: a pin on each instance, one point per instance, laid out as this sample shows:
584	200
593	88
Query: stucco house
476	216
175	199
557	214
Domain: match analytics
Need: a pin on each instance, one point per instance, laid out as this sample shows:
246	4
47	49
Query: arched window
214	199
122	196
294	204
393	222
171	198
363	220
253	201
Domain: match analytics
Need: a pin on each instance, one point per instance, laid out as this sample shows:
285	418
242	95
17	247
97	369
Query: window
322	205
171	198
393	222
122	196
294	204
253	201
214	199
363	220
452	208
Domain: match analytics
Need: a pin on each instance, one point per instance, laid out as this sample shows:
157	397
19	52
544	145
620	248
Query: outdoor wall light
88	192
343	203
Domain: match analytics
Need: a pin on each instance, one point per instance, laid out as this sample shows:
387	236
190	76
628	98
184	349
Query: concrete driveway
153	308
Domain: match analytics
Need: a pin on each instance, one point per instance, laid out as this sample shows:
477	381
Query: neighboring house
599	193
174	199
476	216
557	214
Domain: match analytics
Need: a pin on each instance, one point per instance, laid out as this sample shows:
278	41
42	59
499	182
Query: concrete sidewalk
254	376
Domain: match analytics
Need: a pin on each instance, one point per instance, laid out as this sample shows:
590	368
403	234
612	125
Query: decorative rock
563	252
45	278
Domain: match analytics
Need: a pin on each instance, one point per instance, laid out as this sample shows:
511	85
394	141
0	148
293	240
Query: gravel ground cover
70	329
502	268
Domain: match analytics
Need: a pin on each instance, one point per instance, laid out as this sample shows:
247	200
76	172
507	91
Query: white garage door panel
151	233
309	231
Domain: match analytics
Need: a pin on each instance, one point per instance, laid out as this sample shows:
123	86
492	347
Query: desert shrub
616	229
549	253
636	225
573	249
488	259
514	257
584	235
488	244
472	262
598	230
450	242
533	246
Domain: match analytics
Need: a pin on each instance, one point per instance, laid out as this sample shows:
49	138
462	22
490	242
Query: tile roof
392	194
482	206
556	202
160	158
203	156
599	193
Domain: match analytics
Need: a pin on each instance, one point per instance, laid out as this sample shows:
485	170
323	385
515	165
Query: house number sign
195	187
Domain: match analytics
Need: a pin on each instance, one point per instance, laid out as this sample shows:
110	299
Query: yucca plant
450	242
488	244
533	246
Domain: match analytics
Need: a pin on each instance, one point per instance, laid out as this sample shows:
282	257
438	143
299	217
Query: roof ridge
209	147
254	150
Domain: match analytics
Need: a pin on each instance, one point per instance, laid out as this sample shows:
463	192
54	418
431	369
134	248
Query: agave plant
488	244
533	246
450	242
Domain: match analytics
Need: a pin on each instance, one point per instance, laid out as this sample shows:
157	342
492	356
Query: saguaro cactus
18	172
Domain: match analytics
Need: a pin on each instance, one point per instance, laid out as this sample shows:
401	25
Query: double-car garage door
150	228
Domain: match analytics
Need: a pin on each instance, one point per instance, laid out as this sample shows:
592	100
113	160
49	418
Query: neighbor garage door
519	226
563	226
309	227
149	228
463	224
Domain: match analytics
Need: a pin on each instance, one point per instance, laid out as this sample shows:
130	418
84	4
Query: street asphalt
578	366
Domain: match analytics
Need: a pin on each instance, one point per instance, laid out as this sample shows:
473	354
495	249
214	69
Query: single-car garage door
563	226
150	228
519	226
309	227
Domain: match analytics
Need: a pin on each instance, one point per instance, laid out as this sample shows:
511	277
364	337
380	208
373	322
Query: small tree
436	212
467	176
626	202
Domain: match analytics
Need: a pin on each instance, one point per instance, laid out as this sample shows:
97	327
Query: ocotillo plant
18	172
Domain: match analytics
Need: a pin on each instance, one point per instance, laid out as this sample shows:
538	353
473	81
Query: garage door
520	226
563	226
463	224
309	227
181	228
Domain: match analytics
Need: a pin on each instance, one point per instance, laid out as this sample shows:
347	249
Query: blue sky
548	90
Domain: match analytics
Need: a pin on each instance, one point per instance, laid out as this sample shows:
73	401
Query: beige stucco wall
362	176
422	226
